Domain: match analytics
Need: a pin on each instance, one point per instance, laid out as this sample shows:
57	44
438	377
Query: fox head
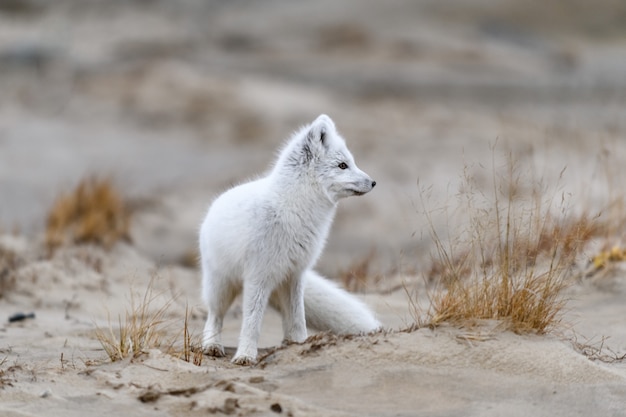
319	152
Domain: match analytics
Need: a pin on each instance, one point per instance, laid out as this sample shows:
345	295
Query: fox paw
244	360
214	349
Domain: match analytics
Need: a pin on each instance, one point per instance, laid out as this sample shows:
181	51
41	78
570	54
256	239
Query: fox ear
316	141
317	136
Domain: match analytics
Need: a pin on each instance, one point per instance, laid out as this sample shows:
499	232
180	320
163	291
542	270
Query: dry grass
358	276
528	303
145	326
597	351
510	263
190	350
94	212
5	379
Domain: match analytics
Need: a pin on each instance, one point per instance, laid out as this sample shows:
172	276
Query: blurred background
178	100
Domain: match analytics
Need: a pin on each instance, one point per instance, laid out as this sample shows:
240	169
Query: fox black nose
373	184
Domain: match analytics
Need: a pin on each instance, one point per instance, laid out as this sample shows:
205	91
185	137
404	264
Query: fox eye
343	165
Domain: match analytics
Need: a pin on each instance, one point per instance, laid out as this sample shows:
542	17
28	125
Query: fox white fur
263	237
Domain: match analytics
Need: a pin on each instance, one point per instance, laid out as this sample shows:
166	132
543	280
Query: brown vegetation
94	212
358	277
510	264
597	351
145	326
191	349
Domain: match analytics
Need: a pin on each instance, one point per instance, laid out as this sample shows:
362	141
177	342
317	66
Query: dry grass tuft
94	212
511	261
143	328
191	348
527	303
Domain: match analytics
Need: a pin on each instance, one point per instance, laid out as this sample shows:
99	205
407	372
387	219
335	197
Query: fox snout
372	184
364	188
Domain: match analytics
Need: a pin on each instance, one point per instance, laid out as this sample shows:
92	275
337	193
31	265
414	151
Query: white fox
263	237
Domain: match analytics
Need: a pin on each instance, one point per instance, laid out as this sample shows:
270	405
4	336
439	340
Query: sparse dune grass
510	262
190	349
146	325
94	212
143	327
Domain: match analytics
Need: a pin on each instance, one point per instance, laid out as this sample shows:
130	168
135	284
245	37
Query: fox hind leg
256	294
288	299
219	295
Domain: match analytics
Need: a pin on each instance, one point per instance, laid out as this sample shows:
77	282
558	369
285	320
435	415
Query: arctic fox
263	237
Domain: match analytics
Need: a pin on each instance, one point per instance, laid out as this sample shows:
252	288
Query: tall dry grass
94	212
190	349
510	262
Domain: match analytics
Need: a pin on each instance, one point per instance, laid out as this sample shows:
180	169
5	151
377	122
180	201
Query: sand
176	103
54	365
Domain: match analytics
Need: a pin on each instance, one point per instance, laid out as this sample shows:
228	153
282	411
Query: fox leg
291	298
288	299
219	295
211	339
256	293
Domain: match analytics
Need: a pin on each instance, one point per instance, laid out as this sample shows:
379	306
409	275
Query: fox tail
328	307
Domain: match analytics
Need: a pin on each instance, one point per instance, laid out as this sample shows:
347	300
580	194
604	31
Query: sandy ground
178	101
